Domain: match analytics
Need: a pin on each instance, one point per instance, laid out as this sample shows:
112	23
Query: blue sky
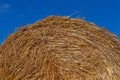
16	13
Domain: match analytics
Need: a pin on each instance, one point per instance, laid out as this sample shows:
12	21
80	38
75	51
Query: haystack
60	48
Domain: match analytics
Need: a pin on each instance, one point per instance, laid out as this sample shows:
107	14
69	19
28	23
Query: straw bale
60	48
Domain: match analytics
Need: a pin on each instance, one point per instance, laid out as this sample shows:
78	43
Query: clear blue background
16	13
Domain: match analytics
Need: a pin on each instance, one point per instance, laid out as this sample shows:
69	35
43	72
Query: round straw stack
60	48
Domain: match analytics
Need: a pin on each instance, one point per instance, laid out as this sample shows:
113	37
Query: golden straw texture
60	48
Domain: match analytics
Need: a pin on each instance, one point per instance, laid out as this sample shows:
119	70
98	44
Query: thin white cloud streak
4	7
